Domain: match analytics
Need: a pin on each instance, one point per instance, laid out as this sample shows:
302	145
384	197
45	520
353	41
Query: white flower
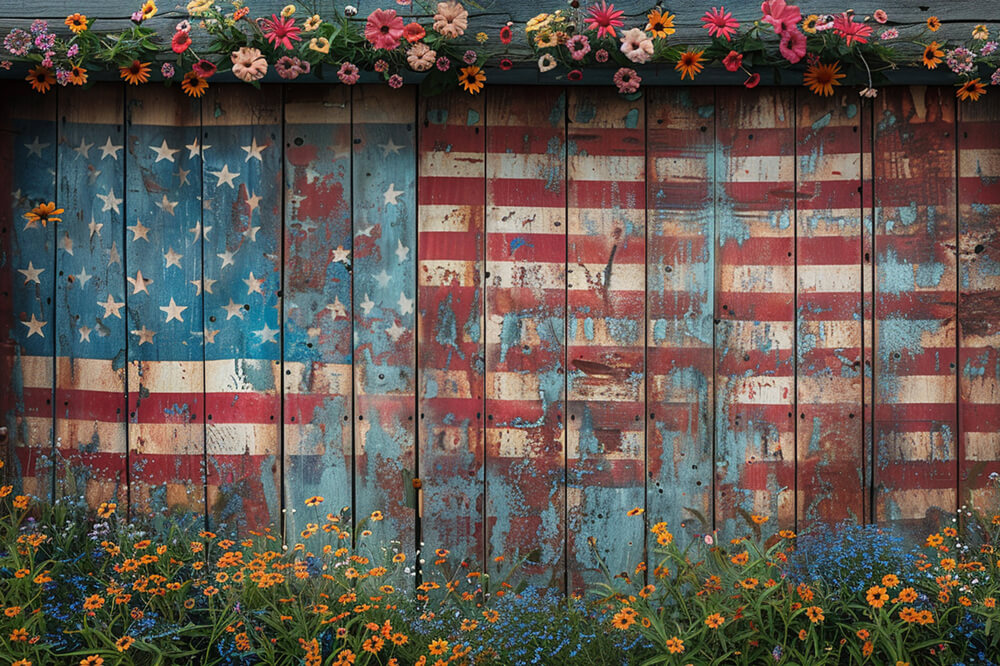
546	62
350	10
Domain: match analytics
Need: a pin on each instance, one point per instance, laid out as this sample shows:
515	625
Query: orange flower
77	75
438	646
92	660
136	73
472	79
93	602
740	558
890	580
124	643
623	619
40	78
822	77
933	23
908	595
803	634
315	500
947	564
932	58
876	596
193	85
714	621
76	22
675	645
815	614
867	648
689	64
971	90
757	519
44	213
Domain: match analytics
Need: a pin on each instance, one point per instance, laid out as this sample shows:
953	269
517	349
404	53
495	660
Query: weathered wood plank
29	278
680	284
979	301
385	258
318	348
526	329
829	441
450	363
915	304
755	286
240	149
165	350
867	303
90	427
606	293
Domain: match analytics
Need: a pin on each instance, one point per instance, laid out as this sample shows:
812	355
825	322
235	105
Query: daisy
660	23
604	19
40	78
689	64
282	31
970	90
720	23
472	79
136	73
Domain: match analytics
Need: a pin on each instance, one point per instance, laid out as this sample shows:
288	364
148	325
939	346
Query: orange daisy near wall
77	75
973	90
933	23
76	22
136	73
689	64
44	213
40	78
660	23
822	77
472	79
193	85
932	55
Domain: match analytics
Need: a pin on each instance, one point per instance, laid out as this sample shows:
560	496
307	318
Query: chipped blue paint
822	121
632	119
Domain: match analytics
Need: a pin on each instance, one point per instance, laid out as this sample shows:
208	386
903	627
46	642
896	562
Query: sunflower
44	213
148	10
809	24
76	22
136	73
472	79
932	55
689	64
822	77
933	23
969	90
40	78
193	85
77	75
660	23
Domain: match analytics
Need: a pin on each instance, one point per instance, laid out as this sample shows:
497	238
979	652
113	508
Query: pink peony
248	64
780	15
384	29
636	45
792	46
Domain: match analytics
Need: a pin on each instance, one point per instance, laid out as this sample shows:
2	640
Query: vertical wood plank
165	350
680	285
240	150
90	427
915	304
451	218
868	302
29	279
385	257
606	289
317	303
755	404
979	300
526	328
829	442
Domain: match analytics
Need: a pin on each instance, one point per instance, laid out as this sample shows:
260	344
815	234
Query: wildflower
194	85
720	23
675	645
876	596
578	46
637	47
850	30
740	559
890	580
889	34
803	634
822	77
815	614
867	648
627	80
19	635
18	42
40	78
76	22
13	611
862	634
970	90
344	658
545	63
604	19
43	213
989	48
124	643
809	24
660	23
933	23
438	647
384	29
472	79
714	621
689	64
623	619
792	46
248	64
948	563
312	23
780	16
786	534
92	660
136	73
93	602
451	19
932	58
749	583
880	16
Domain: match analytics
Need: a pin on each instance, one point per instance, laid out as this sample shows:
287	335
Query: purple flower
995	79
960	60
62	76
988	48
167	70
72	51
137	16
17	42
469	57
39	26
45	42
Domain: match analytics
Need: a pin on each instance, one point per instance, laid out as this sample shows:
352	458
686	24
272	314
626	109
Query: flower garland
826	46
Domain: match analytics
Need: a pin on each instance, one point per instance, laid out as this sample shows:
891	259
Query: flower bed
826	47
79	586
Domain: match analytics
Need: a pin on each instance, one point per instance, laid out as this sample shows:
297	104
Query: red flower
780	15
850	30
505	35
506	63
604	19
720	23
575	75
384	29
752	81
280	31
733	61
181	41
203	68
414	32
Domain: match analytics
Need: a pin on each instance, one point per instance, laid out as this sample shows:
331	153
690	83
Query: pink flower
443	64
636	45
709	540
180	42
627	80
578	46
248	64
752	81
720	23
601	55
395	81
384	29
167	70
381	66
733	61
891	33
780	15
469	57
792	46
204	68
451	19
850	30
348	74
881	16
604	19
280	31
420	57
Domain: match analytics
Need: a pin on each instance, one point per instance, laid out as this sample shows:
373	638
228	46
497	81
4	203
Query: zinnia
451	19
384	29
248	64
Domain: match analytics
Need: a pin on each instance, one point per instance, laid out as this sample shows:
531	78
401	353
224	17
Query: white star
251	233
253	150
340	254
166	206
395	331
337	309
391	194
227	258
164	152
173	259
113	256
83	150
389	147
367	231
111	202
111	307
198	230
405	304
253	201
182	175
173	311
95	227
233	310
401	251
93	174
35	326
207	283
85	333
267	334
35	148
382	278
109	150
66	243
210	335
139	283
140	231
253	284
367	305
225	176
83	278
145	335
194	150
31	273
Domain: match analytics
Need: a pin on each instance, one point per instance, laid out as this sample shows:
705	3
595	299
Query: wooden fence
544	307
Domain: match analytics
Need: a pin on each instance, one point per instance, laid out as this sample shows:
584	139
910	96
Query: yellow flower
148	9
76	22
876	596
758	519
315	500
287	11
675	645
438	646
637	511
21	502
660	24
482	37
312	23
714	621
539	22
320	44
199	6
809	24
